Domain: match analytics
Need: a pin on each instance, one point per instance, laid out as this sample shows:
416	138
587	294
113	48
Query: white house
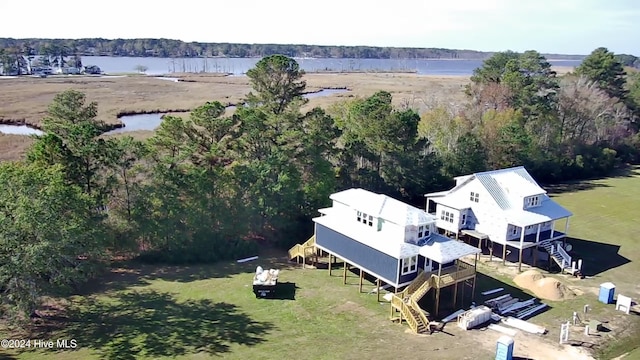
385	237
503	206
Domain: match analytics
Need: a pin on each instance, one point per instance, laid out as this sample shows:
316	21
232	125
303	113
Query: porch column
378	288
490	250
504	253
553	228
438	288
344	274
521	246
360	280
538	233
455	289
566	227
330	261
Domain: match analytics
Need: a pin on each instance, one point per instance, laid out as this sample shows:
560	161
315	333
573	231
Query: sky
549	26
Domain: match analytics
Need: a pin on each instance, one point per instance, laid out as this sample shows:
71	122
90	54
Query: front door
427	265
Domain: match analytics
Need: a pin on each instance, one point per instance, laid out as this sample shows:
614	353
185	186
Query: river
238	66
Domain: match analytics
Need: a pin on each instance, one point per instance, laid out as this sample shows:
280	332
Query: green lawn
204	312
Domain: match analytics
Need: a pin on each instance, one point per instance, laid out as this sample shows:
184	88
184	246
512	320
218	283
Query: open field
25	100
203	312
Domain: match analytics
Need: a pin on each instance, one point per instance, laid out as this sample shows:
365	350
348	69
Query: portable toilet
504	348
607	291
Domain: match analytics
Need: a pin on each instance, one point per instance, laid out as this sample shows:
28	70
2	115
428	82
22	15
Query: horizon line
289	44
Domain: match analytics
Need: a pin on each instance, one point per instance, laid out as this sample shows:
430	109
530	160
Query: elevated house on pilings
506	207
397	244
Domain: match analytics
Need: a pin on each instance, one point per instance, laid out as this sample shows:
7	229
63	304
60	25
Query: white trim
359	266
411	259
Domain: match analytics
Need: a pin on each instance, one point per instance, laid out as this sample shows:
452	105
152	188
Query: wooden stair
407	303
555	254
304	250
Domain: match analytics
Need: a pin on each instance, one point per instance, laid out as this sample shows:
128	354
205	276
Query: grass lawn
203	312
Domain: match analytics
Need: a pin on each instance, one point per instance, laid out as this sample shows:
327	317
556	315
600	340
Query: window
529	227
514	230
532	201
464	219
474	197
364	218
423	231
409	265
446	216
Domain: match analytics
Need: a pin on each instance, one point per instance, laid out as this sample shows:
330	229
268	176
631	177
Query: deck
530	239
454	274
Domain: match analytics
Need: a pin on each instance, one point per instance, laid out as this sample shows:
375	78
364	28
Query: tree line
176	48
212	186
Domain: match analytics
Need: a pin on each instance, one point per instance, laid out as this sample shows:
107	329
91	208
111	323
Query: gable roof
507	188
382	206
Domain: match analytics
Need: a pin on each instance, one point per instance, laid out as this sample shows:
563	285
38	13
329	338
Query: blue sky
549	26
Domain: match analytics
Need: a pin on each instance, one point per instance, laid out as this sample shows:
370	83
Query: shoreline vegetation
180	49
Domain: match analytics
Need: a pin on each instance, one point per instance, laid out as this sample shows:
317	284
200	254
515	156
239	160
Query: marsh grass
26	99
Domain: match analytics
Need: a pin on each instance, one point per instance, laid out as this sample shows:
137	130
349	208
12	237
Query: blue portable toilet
606	293
504	348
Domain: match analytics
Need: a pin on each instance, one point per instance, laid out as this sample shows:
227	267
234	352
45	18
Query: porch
450	275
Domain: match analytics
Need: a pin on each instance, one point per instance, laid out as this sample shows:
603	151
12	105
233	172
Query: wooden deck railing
421	315
459	272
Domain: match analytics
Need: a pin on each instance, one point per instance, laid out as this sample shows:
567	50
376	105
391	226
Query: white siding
446	225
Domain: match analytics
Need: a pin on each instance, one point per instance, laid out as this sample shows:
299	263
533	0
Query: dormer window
364	218
475	197
532	201
423	231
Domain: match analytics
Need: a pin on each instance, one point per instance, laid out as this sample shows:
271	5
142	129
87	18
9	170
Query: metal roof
383	206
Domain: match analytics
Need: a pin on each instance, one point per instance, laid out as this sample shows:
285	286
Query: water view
143	122
19	130
158	66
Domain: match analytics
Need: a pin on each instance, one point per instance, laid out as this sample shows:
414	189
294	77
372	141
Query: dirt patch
547	288
352	308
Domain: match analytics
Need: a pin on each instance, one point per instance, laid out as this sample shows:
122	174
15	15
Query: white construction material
507	304
564	332
388	297
474	317
531	311
502	329
524	325
498	299
248	259
452	316
489	292
623	303
496	317
518	305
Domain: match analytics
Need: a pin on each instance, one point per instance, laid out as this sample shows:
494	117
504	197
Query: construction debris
502	329
474	317
524	325
453	316
248	259
489	292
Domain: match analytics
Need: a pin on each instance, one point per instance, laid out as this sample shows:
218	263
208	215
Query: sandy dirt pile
543	287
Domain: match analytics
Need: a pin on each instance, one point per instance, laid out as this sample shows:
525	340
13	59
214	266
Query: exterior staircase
559	256
304	250
407	303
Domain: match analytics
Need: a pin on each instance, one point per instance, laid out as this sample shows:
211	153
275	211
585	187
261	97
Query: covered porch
530	240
